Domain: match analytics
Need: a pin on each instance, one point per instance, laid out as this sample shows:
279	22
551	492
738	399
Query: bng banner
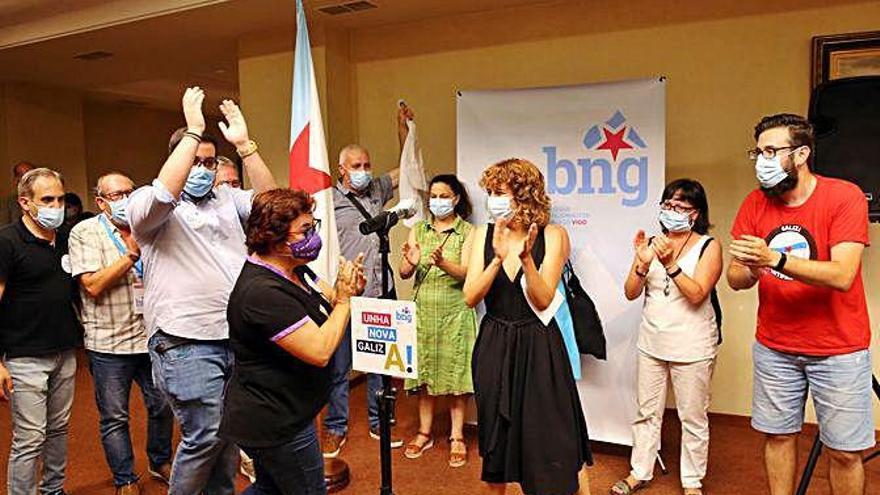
601	148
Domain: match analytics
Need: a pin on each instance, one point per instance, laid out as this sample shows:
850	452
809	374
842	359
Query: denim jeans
336	419
192	374
295	467
40	407
113	375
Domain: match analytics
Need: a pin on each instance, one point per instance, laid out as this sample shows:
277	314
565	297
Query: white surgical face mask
770	171
441	207
674	221
499	207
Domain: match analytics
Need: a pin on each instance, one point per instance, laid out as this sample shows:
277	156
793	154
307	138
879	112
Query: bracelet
133	257
781	264
193	135
675	273
249	149
640	274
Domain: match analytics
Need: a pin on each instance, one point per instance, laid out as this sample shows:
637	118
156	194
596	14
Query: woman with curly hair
531	426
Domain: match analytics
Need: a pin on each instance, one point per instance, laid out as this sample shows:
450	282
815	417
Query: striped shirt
110	322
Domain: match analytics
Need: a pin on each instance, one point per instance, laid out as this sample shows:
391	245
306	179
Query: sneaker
331	444
396	442
246	467
161	473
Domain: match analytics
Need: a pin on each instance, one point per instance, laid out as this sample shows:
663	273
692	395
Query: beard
787	184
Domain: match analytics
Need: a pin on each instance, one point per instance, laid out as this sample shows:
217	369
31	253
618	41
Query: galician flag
309	167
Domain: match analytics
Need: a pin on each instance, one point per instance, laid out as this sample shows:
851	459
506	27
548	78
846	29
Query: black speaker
846	116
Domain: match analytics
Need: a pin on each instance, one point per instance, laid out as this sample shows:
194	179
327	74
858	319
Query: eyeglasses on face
678	208
769	152
209	162
116	195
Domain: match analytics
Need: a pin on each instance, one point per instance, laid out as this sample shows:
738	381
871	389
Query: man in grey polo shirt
357	185
192	244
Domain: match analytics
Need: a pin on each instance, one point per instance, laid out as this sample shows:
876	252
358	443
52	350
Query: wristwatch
247	150
134	257
781	263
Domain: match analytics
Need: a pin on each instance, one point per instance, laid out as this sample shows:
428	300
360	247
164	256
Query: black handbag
588	331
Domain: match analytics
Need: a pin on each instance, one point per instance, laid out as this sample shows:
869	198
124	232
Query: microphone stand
387	396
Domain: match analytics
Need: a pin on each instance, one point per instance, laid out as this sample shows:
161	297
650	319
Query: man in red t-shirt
800	237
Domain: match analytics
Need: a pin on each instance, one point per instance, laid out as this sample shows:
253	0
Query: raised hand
412	253
753	252
235	128
529	241
360	279
500	237
643	251
192	109
662	248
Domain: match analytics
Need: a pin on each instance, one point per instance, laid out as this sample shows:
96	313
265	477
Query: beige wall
125	138
43	126
723	75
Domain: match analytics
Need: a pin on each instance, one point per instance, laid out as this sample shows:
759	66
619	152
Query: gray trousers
40	406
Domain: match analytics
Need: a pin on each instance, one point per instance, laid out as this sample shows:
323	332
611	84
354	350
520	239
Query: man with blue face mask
800	237
106	261
38	333
193	248
356	197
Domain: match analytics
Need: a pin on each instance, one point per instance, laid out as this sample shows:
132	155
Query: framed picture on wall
845	55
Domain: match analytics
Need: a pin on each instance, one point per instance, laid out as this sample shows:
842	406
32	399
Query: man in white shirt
192	243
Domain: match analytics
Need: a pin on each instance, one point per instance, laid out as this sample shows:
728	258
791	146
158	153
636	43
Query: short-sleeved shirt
272	394
37	316
192	254
351	241
793	316
111	324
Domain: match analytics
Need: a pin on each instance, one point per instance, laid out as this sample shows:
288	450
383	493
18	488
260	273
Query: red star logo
614	142
302	176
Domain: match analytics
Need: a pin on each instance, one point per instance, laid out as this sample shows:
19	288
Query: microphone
406	208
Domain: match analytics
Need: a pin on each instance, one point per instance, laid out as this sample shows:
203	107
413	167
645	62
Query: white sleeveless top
672	328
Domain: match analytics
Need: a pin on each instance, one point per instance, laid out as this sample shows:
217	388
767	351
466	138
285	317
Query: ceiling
158	46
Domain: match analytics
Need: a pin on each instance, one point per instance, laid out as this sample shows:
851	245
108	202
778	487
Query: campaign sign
383	337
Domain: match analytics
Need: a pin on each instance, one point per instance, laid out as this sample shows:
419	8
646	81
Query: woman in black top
284	326
530	423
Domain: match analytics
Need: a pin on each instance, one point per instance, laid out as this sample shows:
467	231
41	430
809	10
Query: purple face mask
308	248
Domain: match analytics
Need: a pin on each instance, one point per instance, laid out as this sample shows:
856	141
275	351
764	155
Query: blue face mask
360	179
50	218
200	182
441	207
119	211
674	221
770	171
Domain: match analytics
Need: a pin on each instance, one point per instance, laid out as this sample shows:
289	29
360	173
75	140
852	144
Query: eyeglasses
316	225
668	205
769	152
231	183
117	195
209	162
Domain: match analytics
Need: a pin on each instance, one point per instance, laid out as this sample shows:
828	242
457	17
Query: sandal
623	487
457	459
414	449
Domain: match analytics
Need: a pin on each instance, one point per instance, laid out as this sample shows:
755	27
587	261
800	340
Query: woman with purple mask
284	326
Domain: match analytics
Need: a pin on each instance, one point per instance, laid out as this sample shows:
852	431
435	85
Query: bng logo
609	138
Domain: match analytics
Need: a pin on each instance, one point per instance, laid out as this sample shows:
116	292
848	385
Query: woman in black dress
531	426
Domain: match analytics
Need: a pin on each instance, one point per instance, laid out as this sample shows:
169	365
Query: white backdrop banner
602	150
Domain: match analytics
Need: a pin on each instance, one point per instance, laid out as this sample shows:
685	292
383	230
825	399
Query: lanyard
138	266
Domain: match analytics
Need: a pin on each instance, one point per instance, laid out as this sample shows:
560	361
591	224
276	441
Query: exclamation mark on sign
409	368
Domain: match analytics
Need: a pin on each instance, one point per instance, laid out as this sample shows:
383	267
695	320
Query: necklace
666	289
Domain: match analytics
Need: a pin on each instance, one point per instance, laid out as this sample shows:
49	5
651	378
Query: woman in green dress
436	253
